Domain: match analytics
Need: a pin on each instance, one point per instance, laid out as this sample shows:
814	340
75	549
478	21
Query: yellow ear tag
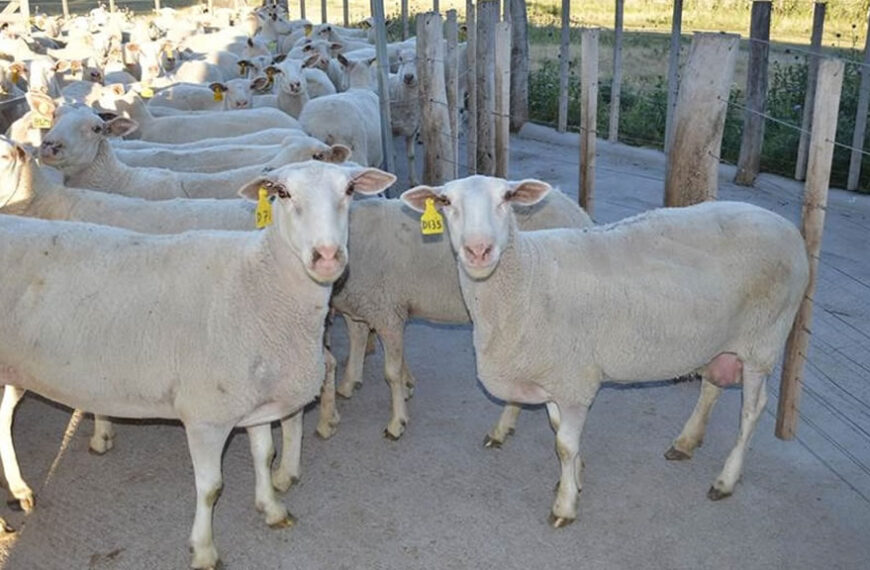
218	95
146	92
264	210
15	76
273	46
431	221
38	121
308	31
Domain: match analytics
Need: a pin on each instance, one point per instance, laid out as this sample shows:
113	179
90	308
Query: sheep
228	157
379	294
258	138
712	288
189	128
405	107
296	85
63	338
78	146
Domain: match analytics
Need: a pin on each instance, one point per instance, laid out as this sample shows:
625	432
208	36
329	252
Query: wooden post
438	158
487	11
323	18
24	8
616	83
346	12
302	9
749	162
156	5
860	117
404	20
451	75
821	152
435	6
506	11
588	115
699	119
65	6
471	86
673	74
800	169
502	83
383	69
564	61
112	6
519	65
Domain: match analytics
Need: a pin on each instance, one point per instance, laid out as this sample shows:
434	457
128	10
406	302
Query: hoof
491	442
346	391
325	432
5	529
391	436
715	494
26	504
283	484
559	522
286	522
674	454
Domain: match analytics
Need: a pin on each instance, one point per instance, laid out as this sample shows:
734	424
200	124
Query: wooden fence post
564	63
699	119
616	83
487	11
323	18
302	9
749	162
502	84
800	169
383	68
404	19
588	115
451	76
673	75
435	131
346	12
471	86
112	6
65	7
860	117
519	65
821	152
156	5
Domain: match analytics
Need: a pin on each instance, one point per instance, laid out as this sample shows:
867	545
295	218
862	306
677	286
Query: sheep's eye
318	156
97	129
282	193
350	189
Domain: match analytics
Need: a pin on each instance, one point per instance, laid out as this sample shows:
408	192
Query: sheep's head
236	93
13	158
301	148
479	215
310	208
73	143
408	67
289	77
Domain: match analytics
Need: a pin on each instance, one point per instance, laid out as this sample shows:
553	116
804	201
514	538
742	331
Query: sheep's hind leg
504	427
206	443
104	436
358	333
693	432
393	359
327	424
288	468
263	452
570	426
754	400
22	494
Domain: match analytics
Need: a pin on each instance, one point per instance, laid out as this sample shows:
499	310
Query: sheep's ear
312	61
370	61
41	103
343	60
120	126
336	47
24	152
260	83
338	153
279	58
371	180
62	66
218	87
251	190
526	192
132	47
18	67
416	197
250	42
117	88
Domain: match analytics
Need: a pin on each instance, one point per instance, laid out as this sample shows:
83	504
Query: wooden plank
616	82
588	116
502	84
383	68
487	12
821	151
438	158
65	6
323	17
471	85
435	6
749	161
860	117
345	11
673	73
564	63
302	9
699	119
519	65
10	8
451	75
404	19
800	168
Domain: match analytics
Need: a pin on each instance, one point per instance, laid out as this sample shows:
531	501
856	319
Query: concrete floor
438	499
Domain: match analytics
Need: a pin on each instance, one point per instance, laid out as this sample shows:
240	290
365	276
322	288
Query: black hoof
491	443
674	454
17	506
390	436
715	494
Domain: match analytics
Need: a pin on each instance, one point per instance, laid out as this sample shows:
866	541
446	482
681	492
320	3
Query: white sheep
78	146
712	288
296	85
189	128
405	107
380	294
65	334
257	138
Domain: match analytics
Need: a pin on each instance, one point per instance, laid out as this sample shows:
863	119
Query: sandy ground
439	499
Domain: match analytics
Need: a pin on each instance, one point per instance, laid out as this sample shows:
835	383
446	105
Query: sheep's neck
104	173
292	104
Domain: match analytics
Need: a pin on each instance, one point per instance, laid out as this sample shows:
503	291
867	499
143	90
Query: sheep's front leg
288	469
393	358
504	427
358	333
265	501
693	432
22	494
104	436
570	421
206	443
327	424
754	400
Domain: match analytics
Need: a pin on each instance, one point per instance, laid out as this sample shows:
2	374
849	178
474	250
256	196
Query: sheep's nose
478	252
409	77
326	252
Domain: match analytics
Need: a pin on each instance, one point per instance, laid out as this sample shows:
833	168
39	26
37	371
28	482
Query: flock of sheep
151	151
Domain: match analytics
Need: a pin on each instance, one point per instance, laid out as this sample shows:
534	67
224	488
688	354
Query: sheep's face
479	215
74	141
408	67
238	94
310	207
289	78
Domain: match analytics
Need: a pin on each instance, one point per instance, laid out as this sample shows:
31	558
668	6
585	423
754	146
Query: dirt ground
439	499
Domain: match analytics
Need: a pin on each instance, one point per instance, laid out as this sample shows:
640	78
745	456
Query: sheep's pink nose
326	252
478	252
